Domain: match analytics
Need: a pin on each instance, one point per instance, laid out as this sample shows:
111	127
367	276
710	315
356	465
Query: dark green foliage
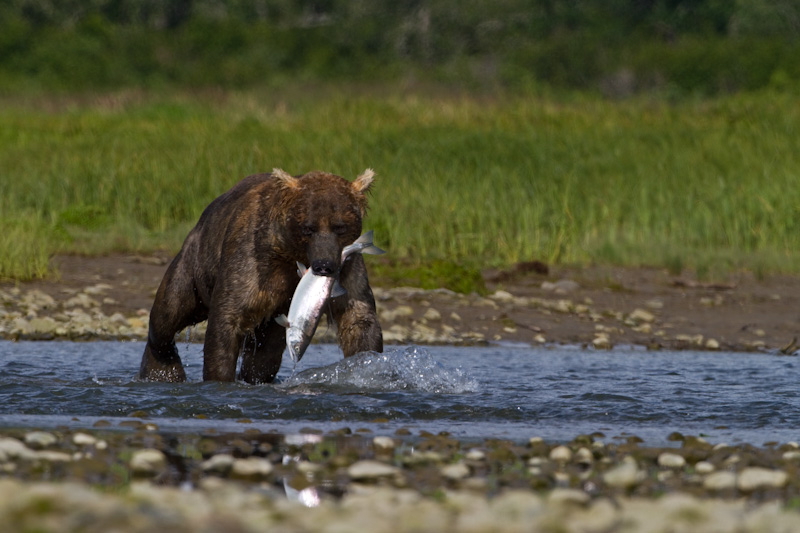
616	46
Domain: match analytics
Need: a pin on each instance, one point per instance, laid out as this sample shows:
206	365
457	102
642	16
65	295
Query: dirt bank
594	306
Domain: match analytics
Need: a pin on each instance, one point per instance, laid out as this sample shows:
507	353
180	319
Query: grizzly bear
238	269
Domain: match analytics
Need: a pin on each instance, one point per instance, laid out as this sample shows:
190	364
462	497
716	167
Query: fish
310	296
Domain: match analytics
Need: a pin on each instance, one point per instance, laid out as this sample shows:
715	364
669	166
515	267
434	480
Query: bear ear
363	183
285	178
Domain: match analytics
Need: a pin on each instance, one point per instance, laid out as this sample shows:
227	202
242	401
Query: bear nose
322	267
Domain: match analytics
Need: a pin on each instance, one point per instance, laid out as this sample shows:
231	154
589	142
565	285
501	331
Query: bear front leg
354	312
263	352
224	338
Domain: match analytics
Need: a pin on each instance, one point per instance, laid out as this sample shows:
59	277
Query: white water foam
411	368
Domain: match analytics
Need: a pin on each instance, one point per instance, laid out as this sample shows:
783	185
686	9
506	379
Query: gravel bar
137	478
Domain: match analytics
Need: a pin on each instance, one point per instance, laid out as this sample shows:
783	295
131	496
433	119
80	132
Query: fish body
310	296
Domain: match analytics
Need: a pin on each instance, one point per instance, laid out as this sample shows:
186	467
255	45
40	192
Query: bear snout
323	267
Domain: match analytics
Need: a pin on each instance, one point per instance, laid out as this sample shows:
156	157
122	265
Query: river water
502	391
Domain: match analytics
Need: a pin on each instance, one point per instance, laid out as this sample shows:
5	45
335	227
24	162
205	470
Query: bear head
323	214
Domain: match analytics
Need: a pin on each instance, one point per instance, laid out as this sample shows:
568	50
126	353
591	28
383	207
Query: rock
584	457
401	311
40	439
561	454
43	325
671	460
712	344
455	472
755	478
383	443
720	481
82	300
251	468
704	467
366	470
20	326
602	342
475	455
98	289
640	315
626	475
432	315
37	299
561	286
148	462
220	464
15	449
53	456
502	296
83	439
561	496
655	303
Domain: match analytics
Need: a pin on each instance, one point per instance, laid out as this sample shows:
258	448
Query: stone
40	439
50	456
671	460
367	469
220	464
148	462
42	325
720	481
640	315
455	472
21	326
562	496
584	456
626	475
15	449
432	315
401	311
561	286
755	478
502	296
602	342
704	467
475	455
561	454
712	344
383	443
791	455
83	439
251	468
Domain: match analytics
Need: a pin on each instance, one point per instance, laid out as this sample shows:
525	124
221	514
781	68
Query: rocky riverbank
138	479
110	297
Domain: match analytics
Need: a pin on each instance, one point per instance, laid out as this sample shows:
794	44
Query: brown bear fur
237	269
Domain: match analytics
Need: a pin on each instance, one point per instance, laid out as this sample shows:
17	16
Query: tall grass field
465	180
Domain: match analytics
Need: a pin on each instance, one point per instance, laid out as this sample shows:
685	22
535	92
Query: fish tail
365	239
366	246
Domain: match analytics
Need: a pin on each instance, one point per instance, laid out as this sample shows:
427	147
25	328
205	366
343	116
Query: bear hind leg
263	352
175	307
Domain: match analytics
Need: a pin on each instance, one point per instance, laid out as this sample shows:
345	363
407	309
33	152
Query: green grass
477	181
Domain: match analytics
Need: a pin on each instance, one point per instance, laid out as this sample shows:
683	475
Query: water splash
411	368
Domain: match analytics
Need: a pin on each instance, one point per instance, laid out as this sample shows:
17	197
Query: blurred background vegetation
616	47
630	132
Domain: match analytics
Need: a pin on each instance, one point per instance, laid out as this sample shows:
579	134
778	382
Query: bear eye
340	229
307	230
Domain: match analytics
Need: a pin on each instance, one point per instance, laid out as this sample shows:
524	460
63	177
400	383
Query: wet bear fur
237	269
